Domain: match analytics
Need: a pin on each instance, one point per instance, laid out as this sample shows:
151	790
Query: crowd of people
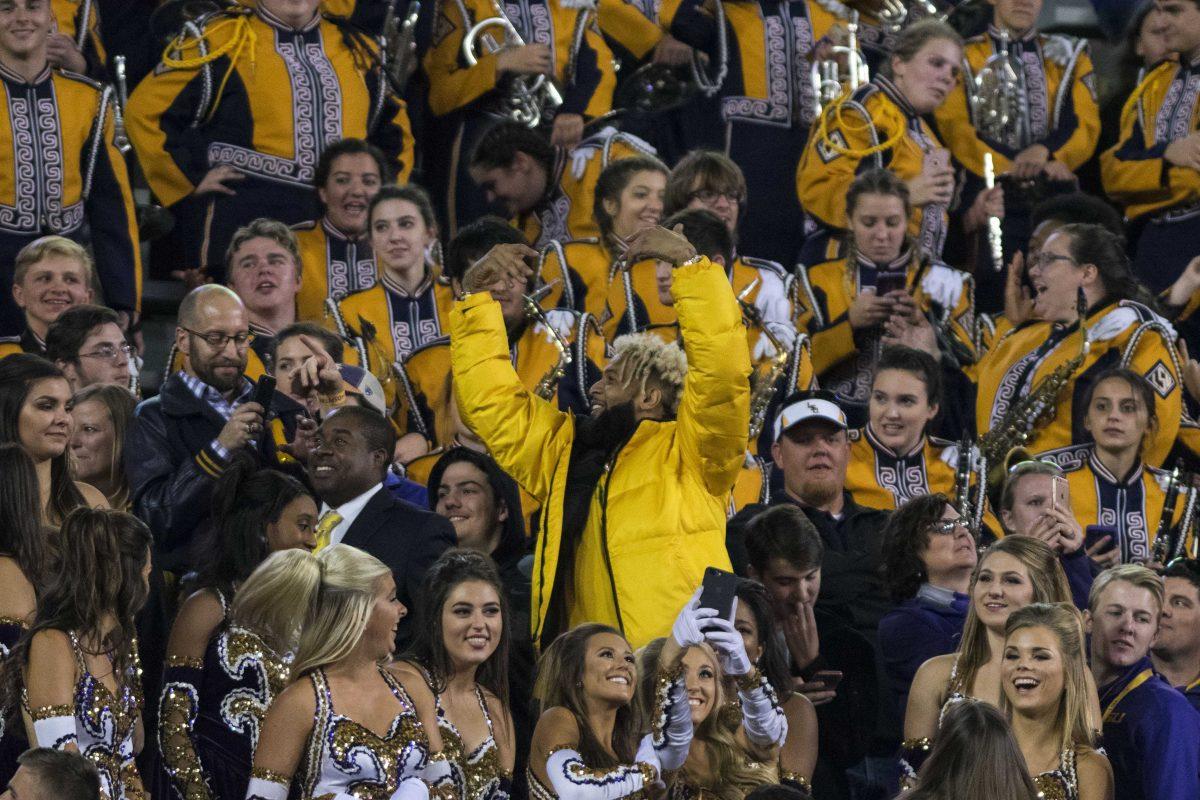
709	399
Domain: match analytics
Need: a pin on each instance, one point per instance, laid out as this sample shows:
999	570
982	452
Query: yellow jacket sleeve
526	435
1082	136
622	22
162	110
453	84
714	412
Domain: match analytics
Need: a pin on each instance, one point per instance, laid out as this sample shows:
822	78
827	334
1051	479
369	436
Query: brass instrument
995	233
996	99
1035	409
529	97
548	384
120	136
970	510
825	75
1164	537
399	44
765	380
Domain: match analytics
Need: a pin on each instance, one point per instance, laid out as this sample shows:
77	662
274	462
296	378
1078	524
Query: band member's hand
244	425
988	203
503	266
905	306
1018	302
1058	172
1191	371
868	310
915	332
1103	554
530	59
659	244
62	52
214	181
1185	152
932	188
1030	161
671	51
567	131
193	277
1059	529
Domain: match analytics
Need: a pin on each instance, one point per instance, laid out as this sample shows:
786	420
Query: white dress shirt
349	511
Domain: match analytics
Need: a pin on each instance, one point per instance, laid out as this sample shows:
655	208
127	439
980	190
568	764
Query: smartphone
1094	533
890	282
830	677
1060	494
936	160
264	392
719	590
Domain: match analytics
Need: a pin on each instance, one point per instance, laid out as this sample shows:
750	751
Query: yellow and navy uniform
403	321
1061	111
843	358
240	88
467	99
27	342
585	286
873	127
565	213
1160	199
656	517
79	20
879	477
1132	506
61	174
425	375
631	29
333	264
753	485
759	55
1124	333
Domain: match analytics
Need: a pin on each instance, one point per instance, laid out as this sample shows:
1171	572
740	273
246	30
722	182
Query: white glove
562	320
410	789
728	643
763	349
646	754
687	628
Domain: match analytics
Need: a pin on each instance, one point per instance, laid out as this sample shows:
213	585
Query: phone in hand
830	677
1094	533
936	160
264	393
886	282
1060	493
718	591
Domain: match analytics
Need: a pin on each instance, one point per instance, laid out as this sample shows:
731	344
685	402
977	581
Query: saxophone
765	380
548	385
1035	409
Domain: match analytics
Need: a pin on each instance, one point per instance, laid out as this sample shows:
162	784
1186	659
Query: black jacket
406	538
172	468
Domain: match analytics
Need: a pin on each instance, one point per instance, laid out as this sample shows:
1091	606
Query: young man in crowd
87	344
1151	734
50	275
1176	651
262	266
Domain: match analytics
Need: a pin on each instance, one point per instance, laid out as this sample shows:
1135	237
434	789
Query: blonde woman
1049	701
347	727
1011	574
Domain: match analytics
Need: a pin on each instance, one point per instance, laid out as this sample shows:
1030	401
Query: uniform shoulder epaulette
441	341
80	78
1060	48
1069	458
305	226
765	264
854	434
836	8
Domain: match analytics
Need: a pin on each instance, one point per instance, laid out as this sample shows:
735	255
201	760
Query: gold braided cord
835	111
243	35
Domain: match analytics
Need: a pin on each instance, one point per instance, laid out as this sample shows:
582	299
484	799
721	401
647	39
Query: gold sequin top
343	756
477	775
1061	783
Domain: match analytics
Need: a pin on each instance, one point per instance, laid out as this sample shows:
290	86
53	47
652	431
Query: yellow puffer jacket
657	518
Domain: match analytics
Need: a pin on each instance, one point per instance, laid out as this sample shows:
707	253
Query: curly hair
644	358
904	537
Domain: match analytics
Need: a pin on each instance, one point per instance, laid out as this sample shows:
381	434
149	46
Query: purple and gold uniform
333	264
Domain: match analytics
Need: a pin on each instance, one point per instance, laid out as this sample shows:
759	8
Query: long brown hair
120	405
560	684
974	757
1049	586
21	535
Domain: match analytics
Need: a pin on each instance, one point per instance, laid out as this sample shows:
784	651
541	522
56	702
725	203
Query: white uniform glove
728	643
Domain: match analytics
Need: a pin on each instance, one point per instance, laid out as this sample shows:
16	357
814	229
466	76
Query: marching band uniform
1058	109
467	99
333	264
761	51
241	88
80	20
589	263
1131	505
212	710
875	126
1151	736
424	375
843	358
1161	198
1124	333
62	174
27	342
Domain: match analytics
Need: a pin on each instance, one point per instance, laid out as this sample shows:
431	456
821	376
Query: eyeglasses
946	526
1035	466
107	352
1044	259
707	196
217	340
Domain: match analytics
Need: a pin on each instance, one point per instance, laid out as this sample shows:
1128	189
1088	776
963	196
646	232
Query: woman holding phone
884	289
1112	490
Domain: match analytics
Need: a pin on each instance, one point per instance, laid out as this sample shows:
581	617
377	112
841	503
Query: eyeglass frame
125	350
240	340
1043	259
733	197
947	526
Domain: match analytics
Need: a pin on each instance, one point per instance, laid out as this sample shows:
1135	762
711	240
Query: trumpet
997	110
529	97
825	77
399	46
120	136
995	234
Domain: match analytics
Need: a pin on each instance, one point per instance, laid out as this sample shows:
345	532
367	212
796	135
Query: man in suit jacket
348	466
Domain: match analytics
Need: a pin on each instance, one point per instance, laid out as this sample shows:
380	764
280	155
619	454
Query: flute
995	234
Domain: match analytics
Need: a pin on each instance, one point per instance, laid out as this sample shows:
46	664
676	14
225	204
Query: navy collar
11	76
276	22
1098	467
1028	37
1111	690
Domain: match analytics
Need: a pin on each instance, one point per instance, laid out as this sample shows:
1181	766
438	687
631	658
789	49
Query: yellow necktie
325	525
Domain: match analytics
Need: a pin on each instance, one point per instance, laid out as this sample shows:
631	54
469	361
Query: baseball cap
803	406
362	383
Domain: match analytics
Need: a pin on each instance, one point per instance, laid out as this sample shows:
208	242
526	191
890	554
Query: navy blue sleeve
1079	576
1170	750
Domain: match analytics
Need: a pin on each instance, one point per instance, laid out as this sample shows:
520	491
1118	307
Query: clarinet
995	234
1164	537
